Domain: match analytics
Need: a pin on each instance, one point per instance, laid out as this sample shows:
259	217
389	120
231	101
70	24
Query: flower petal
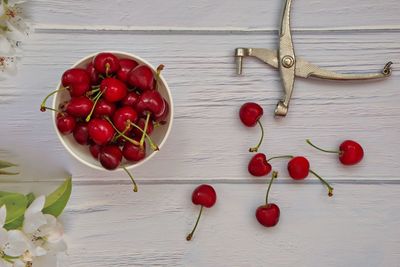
33	222
52	230
16	245
3	215
36	206
45	261
3	237
6	48
4	263
18	263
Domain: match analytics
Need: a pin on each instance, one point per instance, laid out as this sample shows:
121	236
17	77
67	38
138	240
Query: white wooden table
108	225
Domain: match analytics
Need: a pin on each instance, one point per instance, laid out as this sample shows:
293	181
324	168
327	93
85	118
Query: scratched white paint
107	225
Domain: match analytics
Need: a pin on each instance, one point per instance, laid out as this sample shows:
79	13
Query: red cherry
151	101
268	214
350	152
95	150
113	90
65	123
123	116
250	114
110	157
104	108
100	131
106	63
93	74
259	166
134	152
130	99
126	66
141	123
299	168
79	107
81	133
162	118
205	196
77	80
141	77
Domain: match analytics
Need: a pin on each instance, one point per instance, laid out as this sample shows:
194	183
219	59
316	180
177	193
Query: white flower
44	231
12	243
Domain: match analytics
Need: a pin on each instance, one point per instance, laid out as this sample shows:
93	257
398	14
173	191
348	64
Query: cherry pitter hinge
289	66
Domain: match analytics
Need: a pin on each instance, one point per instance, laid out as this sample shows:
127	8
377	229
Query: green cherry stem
97	97
128	126
135	187
136	143
330	188
255	149
158	73
189	236
281	157
320	149
153	146
273	177
146	124
49	108
43	104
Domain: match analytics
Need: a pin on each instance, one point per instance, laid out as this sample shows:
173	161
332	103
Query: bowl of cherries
112	110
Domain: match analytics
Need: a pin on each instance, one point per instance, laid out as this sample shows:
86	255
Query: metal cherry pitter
289	66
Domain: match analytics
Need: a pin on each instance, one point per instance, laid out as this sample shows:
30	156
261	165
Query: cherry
162	118
126	66
81	133
104	108
79	107
141	123
268	214
77	81
93	74
205	196
350	152
110	157
106	63
95	150
100	131
259	166
151	101
134	152
65	123
141	77
114	90
299	168
122	118
130	99
250	114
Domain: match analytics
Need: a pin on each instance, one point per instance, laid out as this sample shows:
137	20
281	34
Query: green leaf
56	201
16	206
4	194
6	164
30	197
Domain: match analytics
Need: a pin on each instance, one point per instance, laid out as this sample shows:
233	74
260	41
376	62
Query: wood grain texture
111	226
223	14
207	140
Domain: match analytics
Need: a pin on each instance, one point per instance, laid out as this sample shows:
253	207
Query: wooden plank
254	14
109	224
208	141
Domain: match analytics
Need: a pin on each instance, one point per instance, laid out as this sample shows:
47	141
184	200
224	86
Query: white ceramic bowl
82	153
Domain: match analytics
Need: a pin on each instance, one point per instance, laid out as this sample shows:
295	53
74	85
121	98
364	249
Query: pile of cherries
113	109
349	152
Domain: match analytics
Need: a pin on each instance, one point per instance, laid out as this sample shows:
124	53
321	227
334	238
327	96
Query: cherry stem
146	124
128	126
89	93
136	143
189	236
107	69
44	108
255	149
273	177
97	97
158	73
320	149
281	157
153	146
135	187
330	188
43	104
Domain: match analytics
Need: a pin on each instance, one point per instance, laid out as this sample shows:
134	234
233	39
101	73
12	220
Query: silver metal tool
289	66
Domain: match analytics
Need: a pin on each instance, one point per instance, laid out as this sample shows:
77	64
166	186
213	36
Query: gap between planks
55	28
